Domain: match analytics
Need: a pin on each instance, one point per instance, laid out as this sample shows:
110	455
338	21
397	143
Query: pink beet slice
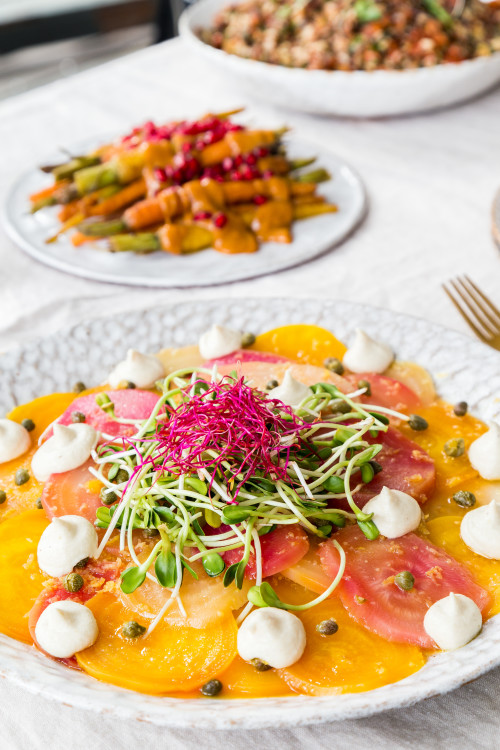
129	404
246	355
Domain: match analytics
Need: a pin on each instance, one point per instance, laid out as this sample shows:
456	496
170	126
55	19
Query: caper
132	629
211	688
22	476
260	666
108	497
404	580
417	423
271	384
342	407
28	424
365	384
73	582
130	385
247	339
464	499
454	447
78	416
122	476
460	409
334	365
79	387
39	503
327	627
82	563
150	532
3	496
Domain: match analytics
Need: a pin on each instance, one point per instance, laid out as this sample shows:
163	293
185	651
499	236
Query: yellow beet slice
171	659
43	411
22	579
242	680
306	343
350	661
416	378
445	533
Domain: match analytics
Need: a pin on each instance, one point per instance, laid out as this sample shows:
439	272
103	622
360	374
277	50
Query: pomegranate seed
231	127
267	174
235	176
220	220
160	174
177	175
202	216
259	200
246	173
261	152
200	145
169	173
228	164
251	159
219	178
186	147
238	161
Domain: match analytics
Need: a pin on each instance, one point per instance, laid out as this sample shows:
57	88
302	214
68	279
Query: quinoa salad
357	34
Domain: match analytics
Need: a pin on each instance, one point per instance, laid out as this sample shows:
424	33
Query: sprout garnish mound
217	452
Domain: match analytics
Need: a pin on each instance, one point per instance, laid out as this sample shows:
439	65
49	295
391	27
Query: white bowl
379	93
464	369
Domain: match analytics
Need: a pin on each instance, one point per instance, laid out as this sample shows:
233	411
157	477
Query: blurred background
42	40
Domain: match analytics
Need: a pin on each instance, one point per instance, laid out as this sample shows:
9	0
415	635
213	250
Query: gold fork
476	309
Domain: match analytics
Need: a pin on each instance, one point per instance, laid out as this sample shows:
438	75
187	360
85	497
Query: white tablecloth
431	181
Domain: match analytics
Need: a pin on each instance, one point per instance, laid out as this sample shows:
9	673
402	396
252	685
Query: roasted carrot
48	191
133	192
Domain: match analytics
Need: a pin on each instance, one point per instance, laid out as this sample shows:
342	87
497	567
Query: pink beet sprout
248	434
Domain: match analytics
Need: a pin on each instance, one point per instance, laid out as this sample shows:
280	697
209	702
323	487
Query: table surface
431	181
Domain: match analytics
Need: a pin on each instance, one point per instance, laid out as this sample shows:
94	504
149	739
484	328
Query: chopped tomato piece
405	466
129	404
387	392
281	549
370	595
73	492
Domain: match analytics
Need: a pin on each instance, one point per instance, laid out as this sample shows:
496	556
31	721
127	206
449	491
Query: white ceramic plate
463	369
355	94
312	237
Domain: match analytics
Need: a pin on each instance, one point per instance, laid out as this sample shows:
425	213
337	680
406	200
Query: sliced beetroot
246	355
129	404
405	466
371	596
387	392
280	549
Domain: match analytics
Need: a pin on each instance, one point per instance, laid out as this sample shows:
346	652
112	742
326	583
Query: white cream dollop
68	448
290	391
219	341
143	370
66	627
14	440
484	453
367	355
274	636
66	541
480	530
453	621
395	513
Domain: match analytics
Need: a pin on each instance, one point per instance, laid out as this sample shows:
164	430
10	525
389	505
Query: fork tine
485	299
475	307
464	315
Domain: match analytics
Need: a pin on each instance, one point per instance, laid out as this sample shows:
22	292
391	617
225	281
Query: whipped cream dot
219	341
66	627
141	369
480	530
290	391
14	440
453	621
395	513
367	355
484	453
68	448
274	636
66	541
